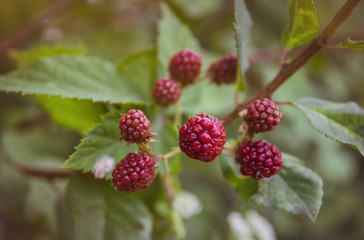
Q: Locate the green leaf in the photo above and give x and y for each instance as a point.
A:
(140, 70)
(209, 98)
(100, 212)
(242, 31)
(104, 139)
(302, 26)
(245, 187)
(72, 113)
(24, 58)
(81, 77)
(240, 82)
(343, 122)
(353, 44)
(296, 189)
(173, 36)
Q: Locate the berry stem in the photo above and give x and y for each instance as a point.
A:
(288, 69)
(283, 103)
(174, 152)
(144, 148)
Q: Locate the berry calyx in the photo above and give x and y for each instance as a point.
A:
(134, 172)
(134, 127)
(224, 70)
(262, 115)
(259, 159)
(185, 66)
(166, 92)
(202, 137)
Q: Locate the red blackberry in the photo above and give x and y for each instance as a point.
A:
(185, 66)
(202, 138)
(263, 115)
(224, 70)
(134, 127)
(259, 159)
(166, 92)
(134, 172)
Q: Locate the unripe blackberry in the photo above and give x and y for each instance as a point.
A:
(262, 115)
(224, 70)
(134, 172)
(134, 127)
(202, 138)
(185, 66)
(259, 159)
(166, 92)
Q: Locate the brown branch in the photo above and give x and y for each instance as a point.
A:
(288, 69)
(22, 36)
(48, 173)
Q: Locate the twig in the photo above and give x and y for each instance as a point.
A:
(22, 36)
(290, 68)
(48, 173)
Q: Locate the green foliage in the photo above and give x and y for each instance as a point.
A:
(353, 44)
(140, 70)
(24, 58)
(343, 122)
(81, 77)
(73, 113)
(245, 187)
(302, 26)
(173, 36)
(100, 212)
(242, 27)
(104, 139)
(295, 189)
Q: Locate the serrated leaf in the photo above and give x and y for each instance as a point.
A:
(343, 122)
(81, 77)
(245, 187)
(24, 58)
(296, 189)
(100, 212)
(173, 36)
(242, 30)
(72, 113)
(353, 44)
(140, 70)
(302, 26)
(104, 139)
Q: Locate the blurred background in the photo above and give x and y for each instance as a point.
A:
(114, 29)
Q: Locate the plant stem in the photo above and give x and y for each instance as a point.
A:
(288, 69)
(168, 155)
(48, 173)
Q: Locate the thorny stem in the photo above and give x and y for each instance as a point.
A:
(288, 69)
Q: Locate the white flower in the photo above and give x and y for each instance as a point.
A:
(239, 227)
(260, 226)
(187, 204)
(103, 165)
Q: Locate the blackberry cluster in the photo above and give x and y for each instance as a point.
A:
(262, 115)
(202, 138)
(134, 127)
(166, 92)
(224, 70)
(134, 172)
(259, 159)
(185, 66)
